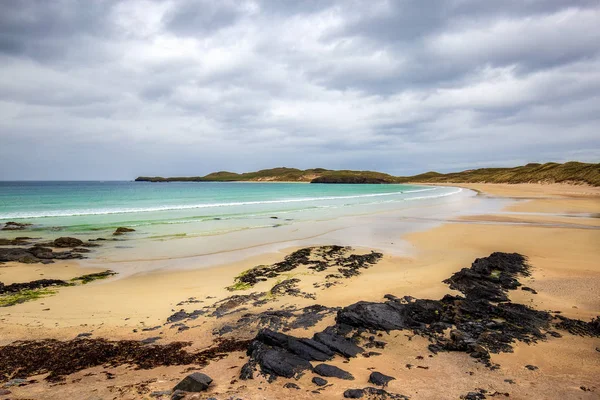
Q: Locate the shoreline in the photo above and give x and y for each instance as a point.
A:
(565, 275)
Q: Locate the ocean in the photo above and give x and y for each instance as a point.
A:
(177, 209)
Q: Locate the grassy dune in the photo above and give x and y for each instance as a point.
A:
(570, 172)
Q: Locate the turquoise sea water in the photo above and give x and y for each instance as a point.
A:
(188, 208)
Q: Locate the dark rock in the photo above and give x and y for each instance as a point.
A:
(151, 340)
(489, 278)
(161, 393)
(307, 349)
(14, 226)
(338, 344)
(354, 393)
(391, 315)
(83, 335)
(121, 230)
(178, 395)
(379, 379)
(183, 315)
(528, 289)
(291, 385)
(331, 371)
(531, 367)
(473, 396)
(67, 242)
(195, 382)
(4, 392)
(319, 381)
(153, 328)
(274, 362)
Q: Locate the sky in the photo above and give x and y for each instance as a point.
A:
(116, 89)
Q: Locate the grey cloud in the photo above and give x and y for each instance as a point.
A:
(115, 89)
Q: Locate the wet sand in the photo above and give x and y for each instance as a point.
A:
(552, 225)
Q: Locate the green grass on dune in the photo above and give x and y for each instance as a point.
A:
(570, 172)
(22, 296)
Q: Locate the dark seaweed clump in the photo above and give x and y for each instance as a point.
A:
(61, 358)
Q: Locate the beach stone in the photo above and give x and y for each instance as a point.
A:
(121, 230)
(319, 381)
(196, 382)
(379, 379)
(332, 371)
(531, 367)
(354, 393)
(67, 242)
(291, 385)
(4, 392)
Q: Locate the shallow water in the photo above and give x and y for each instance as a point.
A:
(195, 225)
(97, 208)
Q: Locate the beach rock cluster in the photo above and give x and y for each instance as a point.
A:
(478, 324)
(15, 226)
(42, 252)
(278, 354)
(36, 254)
(315, 258)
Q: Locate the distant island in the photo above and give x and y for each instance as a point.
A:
(570, 172)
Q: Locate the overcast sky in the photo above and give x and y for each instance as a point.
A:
(112, 90)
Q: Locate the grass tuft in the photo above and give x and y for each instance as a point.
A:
(22, 296)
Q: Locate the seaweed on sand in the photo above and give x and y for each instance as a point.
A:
(60, 358)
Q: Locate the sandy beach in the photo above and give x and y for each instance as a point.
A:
(555, 226)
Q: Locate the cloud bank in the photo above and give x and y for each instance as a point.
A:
(112, 90)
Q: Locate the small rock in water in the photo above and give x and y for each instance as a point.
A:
(319, 381)
(121, 230)
(196, 382)
(379, 379)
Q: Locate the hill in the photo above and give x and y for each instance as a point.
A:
(570, 172)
